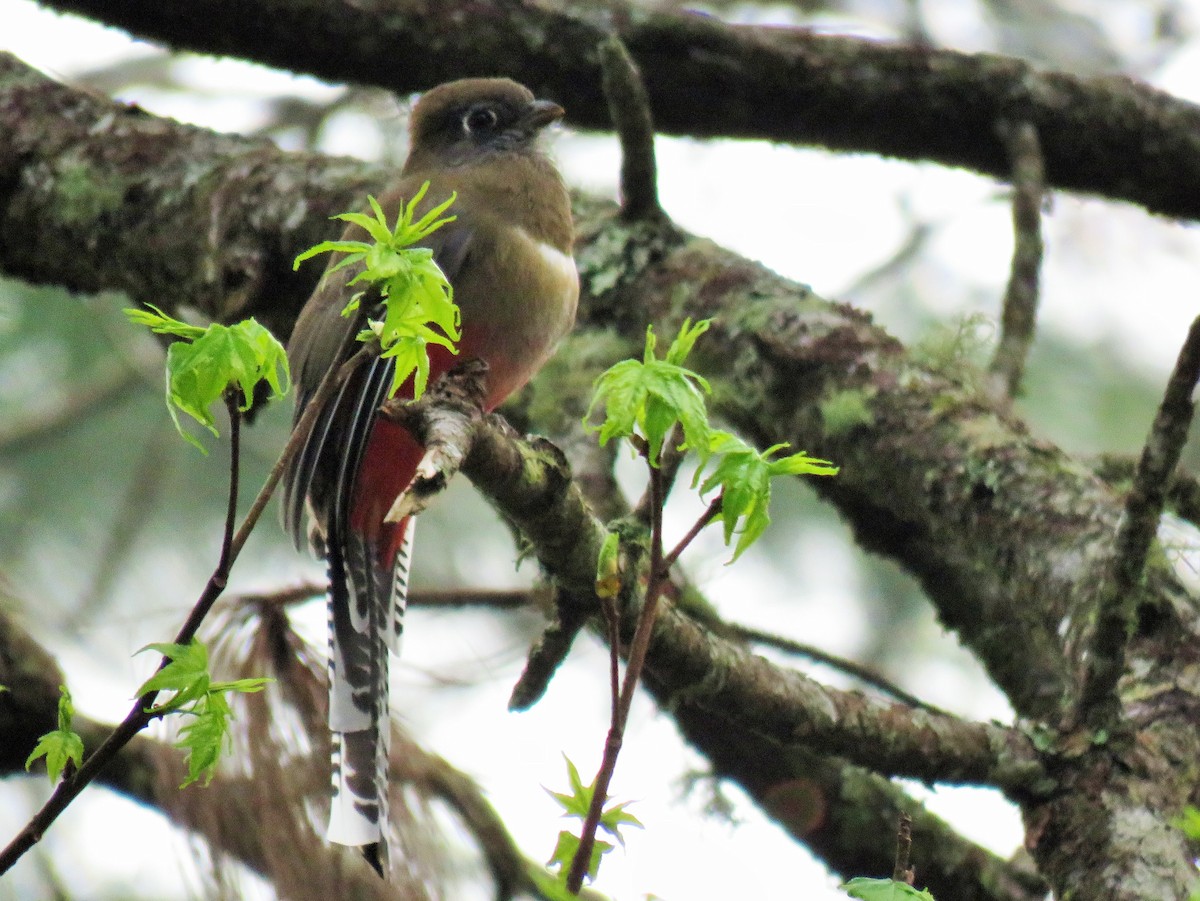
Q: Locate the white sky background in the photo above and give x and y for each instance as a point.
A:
(819, 218)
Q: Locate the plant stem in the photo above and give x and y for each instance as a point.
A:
(633, 671)
(705, 518)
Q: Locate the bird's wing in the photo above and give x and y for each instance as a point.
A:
(322, 473)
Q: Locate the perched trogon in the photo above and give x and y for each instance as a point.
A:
(508, 257)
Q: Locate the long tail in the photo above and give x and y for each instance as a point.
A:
(352, 468)
(366, 616)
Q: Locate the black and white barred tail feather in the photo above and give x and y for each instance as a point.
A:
(359, 691)
(365, 607)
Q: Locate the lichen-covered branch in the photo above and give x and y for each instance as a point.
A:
(531, 486)
(97, 195)
(629, 108)
(847, 815)
(705, 78)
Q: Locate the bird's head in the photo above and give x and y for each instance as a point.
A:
(461, 121)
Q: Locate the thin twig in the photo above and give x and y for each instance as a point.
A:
(1021, 297)
(638, 649)
(703, 520)
(903, 871)
(143, 711)
(862, 673)
(629, 108)
(232, 404)
(1099, 704)
(550, 650)
(332, 381)
(670, 458)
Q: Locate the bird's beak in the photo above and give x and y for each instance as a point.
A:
(540, 113)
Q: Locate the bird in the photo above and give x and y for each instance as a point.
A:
(508, 255)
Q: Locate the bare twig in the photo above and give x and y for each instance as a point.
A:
(670, 459)
(1099, 705)
(1183, 492)
(903, 871)
(638, 648)
(857, 670)
(548, 653)
(232, 405)
(714, 508)
(629, 107)
(1021, 297)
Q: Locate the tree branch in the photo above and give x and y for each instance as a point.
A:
(1119, 600)
(629, 108)
(531, 486)
(1021, 296)
(705, 78)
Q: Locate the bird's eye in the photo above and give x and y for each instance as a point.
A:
(479, 118)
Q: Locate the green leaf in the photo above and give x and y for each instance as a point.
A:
(205, 737)
(355, 249)
(244, 686)
(199, 373)
(1188, 822)
(207, 362)
(186, 674)
(608, 568)
(615, 817)
(744, 476)
(576, 803)
(418, 300)
(650, 397)
(564, 853)
(162, 324)
(681, 347)
(62, 746)
(197, 696)
(883, 890)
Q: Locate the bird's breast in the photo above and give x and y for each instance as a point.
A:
(517, 304)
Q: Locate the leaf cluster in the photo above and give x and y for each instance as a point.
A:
(419, 307)
(206, 363)
(645, 400)
(648, 397)
(576, 803)
(195, 694)
(743, 476)
(62, 746)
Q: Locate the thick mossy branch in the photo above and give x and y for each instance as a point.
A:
(530, 485)
(97, 195)
(847, 815)
(705, 78)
